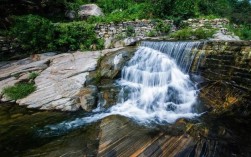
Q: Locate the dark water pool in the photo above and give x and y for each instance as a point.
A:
(19, 135)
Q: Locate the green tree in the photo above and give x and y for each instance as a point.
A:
(242, 12)
(216, 7)
(185, 9)
(34, 33)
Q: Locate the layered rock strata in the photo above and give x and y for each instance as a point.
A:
(60, 82)
(225, 67)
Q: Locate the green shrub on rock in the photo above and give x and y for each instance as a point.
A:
(152, 33)
(162, 27)
(243, 31)
(33, 75)
(188, 33)
(19, 90)
(182, 34)
(203, 33)
(130, 31)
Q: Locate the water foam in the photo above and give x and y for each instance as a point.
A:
(155, 86)
(154, 89)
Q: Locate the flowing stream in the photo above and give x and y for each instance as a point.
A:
(156, 88)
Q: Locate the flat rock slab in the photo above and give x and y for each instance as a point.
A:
(58, 85)
(10, 71)
(120, 137)
(61, 79)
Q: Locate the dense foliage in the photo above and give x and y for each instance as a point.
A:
(41, 25)
(76, 35)
(36, 34)
(33, 32)
(239, 11)
(188, 34)
(243, 31)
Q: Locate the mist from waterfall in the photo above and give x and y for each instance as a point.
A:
(155, 86)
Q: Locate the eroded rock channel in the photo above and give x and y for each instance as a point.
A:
(159, 99)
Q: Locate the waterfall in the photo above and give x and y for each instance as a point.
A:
(181, 52)
(155, 86)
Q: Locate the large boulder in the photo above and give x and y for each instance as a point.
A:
(108, 43)
(112, 63)
(131, 41)
(70, 14)
(89, 10)
(59, 84)
(88, 97)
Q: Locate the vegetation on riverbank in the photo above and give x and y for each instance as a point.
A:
(41, 26)
(35, 34)
(188, 33)
(237, 11)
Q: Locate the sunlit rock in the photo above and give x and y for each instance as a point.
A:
(89, 10)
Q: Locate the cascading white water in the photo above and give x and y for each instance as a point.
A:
(181, 52)
(155, 86)
(155, 90)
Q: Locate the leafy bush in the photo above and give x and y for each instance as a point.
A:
(174, 8)
(34, 33)
(76, 35)
(152, 33)
(182, 34)
(215, 7)
(203, 33)
(33, 75)
(19, 91)
(138, 11)
(209, 17)
(243, 31)
(160, 8)
(109, 6)
(135, 11)
(161, 27)
(120, 36)
(116, 16)
(130, 31)
(188, 33)
(74, 4)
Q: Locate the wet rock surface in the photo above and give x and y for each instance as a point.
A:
(109, 69)
(88, 97)
(225, 67)
(112, 64)
(225, 90)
